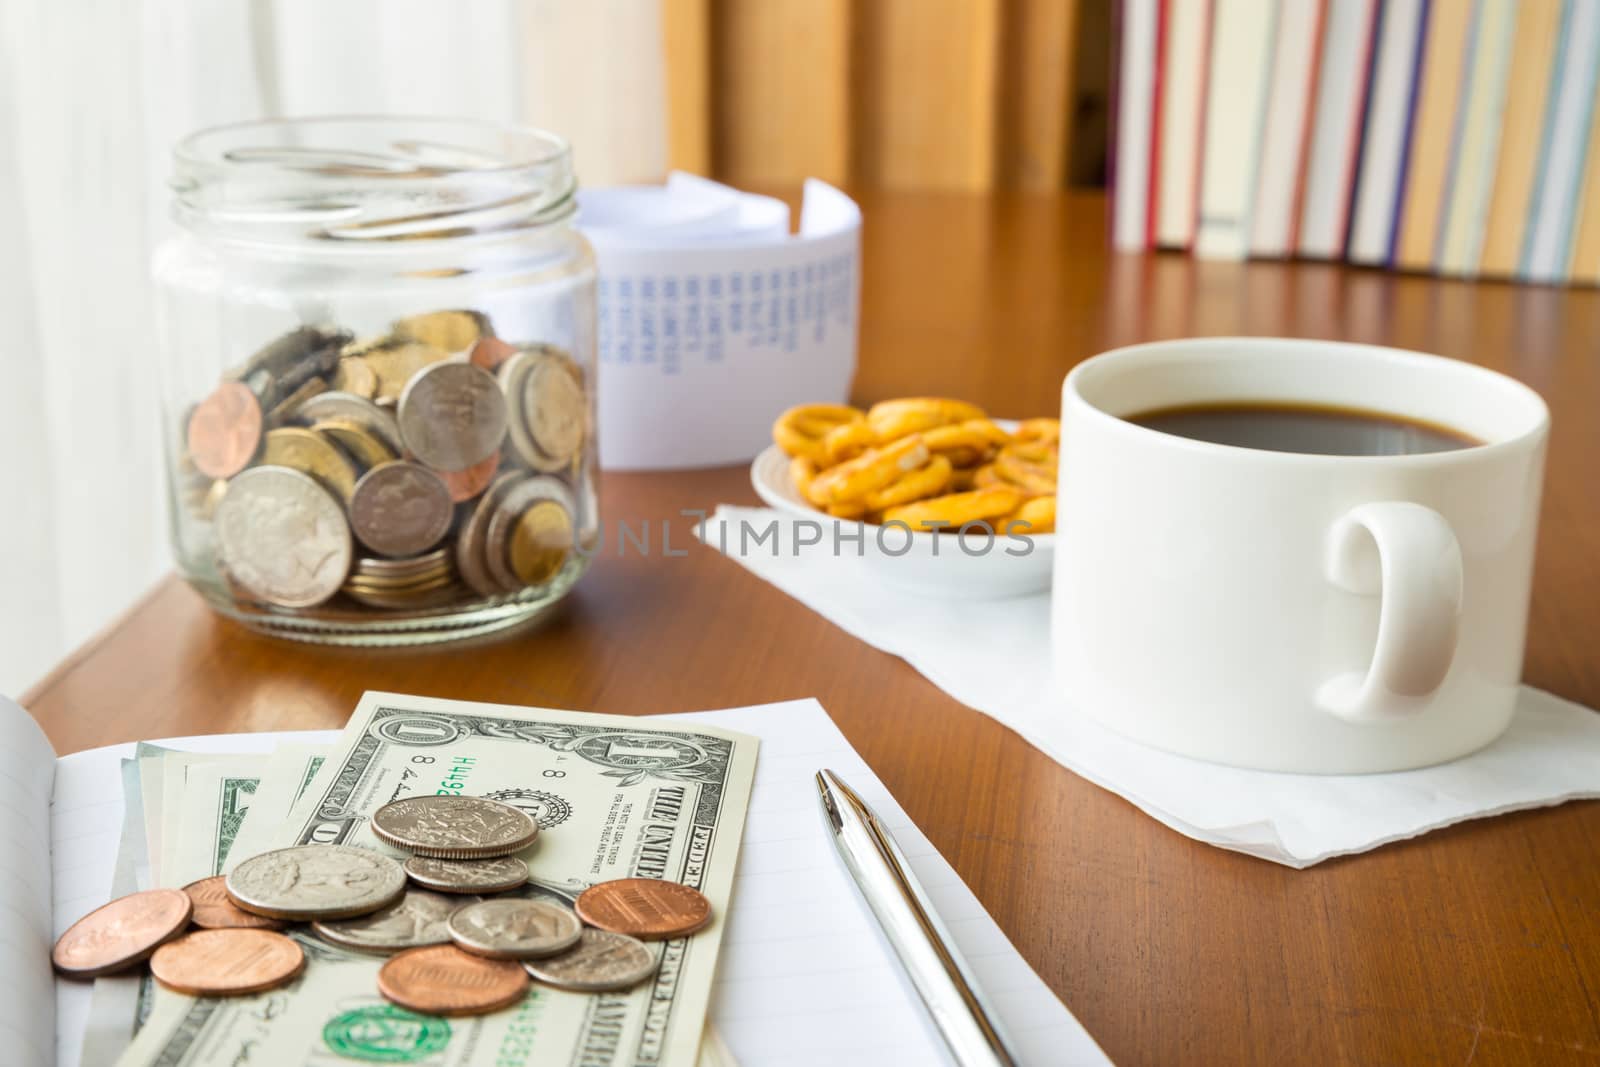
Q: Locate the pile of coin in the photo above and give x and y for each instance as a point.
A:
(454, 949)
(434, 464)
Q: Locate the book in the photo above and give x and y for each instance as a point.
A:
(1136, 54)
(1583, 261)
(1242, 33)
(1186, 32)
(1476, 138)
(805, 949)
(1522, 123)
(1438, 98)
(1547, 242)
(1285, 135)
(1386, 140)
(1342, 79)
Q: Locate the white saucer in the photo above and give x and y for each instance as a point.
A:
(973, 566)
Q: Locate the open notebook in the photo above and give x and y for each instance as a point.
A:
(805, 975)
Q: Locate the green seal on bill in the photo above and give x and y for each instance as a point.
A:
(384, 1033)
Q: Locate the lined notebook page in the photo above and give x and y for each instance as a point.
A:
(805, 976)
(27, 766)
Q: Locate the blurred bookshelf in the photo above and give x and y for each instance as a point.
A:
(1458, 137)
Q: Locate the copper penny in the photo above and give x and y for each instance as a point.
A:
(225, 430)
(214, 911)
(121, 933)
(647, 908)
(490, 352)
(443, 980)
(468, 483)
(224, 963)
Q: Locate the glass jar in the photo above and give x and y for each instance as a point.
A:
(378, 366)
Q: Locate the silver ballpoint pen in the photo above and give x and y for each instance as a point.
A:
(969, 1026)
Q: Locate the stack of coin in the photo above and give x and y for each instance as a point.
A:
(464, 931)
(388, 467)
(423, 581)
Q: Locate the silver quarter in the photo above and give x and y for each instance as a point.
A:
(454, 827)
(512, 928)
(401, 509)
(452, 415)
(600, 961)
(418, 918)
(308, 882)
(468, 876)
(283, 537)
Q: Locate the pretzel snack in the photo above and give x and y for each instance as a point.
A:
(800, 430)
(957, 509)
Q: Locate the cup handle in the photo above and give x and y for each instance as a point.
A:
(1408, 555)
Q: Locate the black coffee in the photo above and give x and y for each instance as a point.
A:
(1310, 428)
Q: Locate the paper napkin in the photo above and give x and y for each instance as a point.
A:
(1550, 755)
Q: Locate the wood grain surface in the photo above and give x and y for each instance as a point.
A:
(1477, 944)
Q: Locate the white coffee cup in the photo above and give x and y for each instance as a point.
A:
(1291, 611)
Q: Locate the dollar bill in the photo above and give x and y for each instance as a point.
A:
(614, 796)
(162, 773)
(216, 798)
(353, 1024)
(284, 779)
(151, 764)
(195, 828)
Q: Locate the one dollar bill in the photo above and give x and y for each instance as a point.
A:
(615, 797)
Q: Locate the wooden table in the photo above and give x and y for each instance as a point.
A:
(1477, 944)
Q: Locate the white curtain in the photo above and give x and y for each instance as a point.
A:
(92, 95)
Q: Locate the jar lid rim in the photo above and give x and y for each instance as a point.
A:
(360, 178)
(201, 148)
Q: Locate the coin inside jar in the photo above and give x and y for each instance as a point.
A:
(376, 421)
(418, 918)
(555, 408)
(355, 376)
(308, 882)
(283, 537)
(471, 542)
(443, 980)
(509, 509)
(452, 331)
(289, 406)
(310, 453)
(490, 352)
(364, 446)
(394, 363)
(225, 430)
(454, 827)
(468, 876)
(224, 963)
(600, 962)
(541, 540)
(453, 415)
(514, 928)
(214, 911)
(117, 935)
(650, 909)
(400, 509)
(468, 483)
